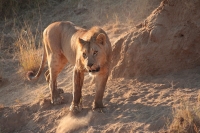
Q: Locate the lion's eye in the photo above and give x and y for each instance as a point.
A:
(84, 55)
(95, 53)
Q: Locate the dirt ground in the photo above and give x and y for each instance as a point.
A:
(135, 103)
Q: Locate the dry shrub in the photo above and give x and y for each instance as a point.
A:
(29, 55)
(186, 119)
(10, 8)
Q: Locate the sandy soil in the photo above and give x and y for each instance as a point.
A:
(137, 104)
(132, 105)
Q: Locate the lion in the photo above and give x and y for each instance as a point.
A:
(87, 50)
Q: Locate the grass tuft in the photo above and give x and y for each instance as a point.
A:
(26, 43)
(186, 119)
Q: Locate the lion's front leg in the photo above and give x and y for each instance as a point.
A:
(101, 80)
(78, 77)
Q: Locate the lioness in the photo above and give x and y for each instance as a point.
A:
(88, 50)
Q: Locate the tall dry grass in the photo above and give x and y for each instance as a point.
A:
(27, 44)
(26, 40)
(186, 118)
(12, 8)
(19, 17)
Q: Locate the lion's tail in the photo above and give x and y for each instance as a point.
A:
(30, 74)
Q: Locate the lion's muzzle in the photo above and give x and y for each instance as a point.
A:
(94, 70)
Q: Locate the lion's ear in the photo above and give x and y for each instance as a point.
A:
(82, 42)
(101, 38)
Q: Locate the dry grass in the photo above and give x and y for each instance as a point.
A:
(26, 43)
(113, 12)
(27, 35)
(186, 118)
(11, 8)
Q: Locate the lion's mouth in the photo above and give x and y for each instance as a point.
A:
(96, 70)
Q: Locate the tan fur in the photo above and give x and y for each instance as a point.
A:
(88, 50)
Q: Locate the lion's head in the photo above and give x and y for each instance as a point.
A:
(93, 54)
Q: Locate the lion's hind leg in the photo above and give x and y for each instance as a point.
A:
(56, 64)
(47, 77)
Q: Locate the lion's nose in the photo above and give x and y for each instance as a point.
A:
(90, 64)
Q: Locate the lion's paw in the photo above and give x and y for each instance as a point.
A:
(100, 110)
(58, 100)
(75, 108)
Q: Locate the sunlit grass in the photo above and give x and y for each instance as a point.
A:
(26, 43)
(186, 118)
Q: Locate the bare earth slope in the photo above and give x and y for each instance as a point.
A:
(167, 41)
(155, 69)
